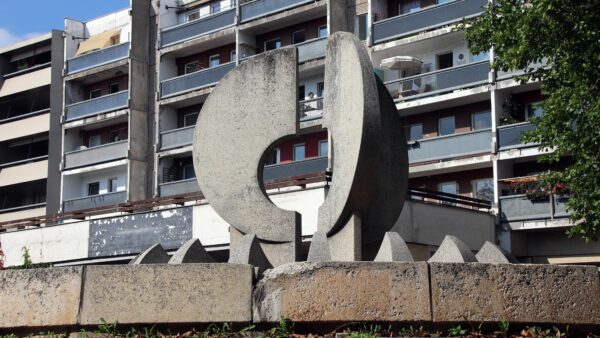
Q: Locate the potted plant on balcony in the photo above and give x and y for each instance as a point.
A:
(510, 111)
(532, 188)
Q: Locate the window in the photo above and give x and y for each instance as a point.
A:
(191, 67)
(214, 61)
(272, 44)
(113, 184)
(188, 172)
(95, 93)
(233, 56)
(94, 141)
(534, 110)
(322, 31)
(215, 7)
(301, 93)
(446, 126)
(444, 60)
(323, 148)
(114, 136)
(483, 56)
(274, 157)
(483, 189)
(481, 120)
(113, 88)
(298, 37)
(299, 152)
(448, 188)
(414, 132)
(93, 188)
(320, 89)
(410, 6)
(191, 16)
(190, 119)
(360, 26)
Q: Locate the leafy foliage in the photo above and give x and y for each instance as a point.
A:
(557, 43)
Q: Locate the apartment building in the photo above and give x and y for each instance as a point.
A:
(135, 81)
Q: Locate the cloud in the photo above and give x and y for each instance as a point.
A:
(8, 38)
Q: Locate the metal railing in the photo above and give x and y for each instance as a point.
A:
(426, 19)
(89, 202)
(23, 161)
(521, 208)
(439, 197)
(181, 187)
(98, 105)
(260, 8)
(193, 81)
(312, 49)
(98, 58)
(202, 26)
(177, 137)
(100, 154)
(293, 169)
(25, 115)
(509, 136)
(311, 109)
(450, 146)
(23, 207)
(439, 81)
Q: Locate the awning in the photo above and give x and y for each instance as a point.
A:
(25, 82)
(519, 179)
(97, 41)
(401, 62)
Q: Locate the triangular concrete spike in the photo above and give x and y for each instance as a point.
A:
(491, 253)
(319, 248)
(191, 252)
(453, 250)
(248, 251)
(393, 249)
(153, 255)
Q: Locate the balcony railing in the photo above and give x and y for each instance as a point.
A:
(176, 138)
(259, 8)
(193, 81)
(98, 58)
(509, 137)
(426, 19)
(23, 207)
(98, 105)
(292, 169)
(450, 146)
(24, 115)
(179, 187)
(311, 109)
(520, 208)
(196, 28)
(23, 161)
(312, 49)
(89, 202)
(100, 154)
(439, 81)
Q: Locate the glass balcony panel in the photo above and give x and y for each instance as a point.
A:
(445, 147)
(89, 202)
(104, 153)
(292, 169)
(98, 58)
(312, 49)
(179, 187)
(259, 8)
(197, 80)
(509, 136)
(177, 138)
(99, 105)
(199, 27)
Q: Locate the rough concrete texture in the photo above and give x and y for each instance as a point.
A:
(491, 253)
(319, 248)
(183, 293)
(248, 251)
(153, 255)
(453, 250)
(343, 291)
(370, 165)
(345, 245)
(40, 297)
(229, 170)
(191, 252)
(517, 293)
(393, 249)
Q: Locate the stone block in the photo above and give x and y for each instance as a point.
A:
(518, 293)
(40, 297)
(183, 293)
(453, 250)
(343, 292)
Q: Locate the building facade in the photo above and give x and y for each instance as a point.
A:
(133, 82)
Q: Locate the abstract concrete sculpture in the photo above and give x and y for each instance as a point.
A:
(153, 255)
(191, 252)
(453, 250)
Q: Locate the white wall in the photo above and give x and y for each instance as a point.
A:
(310, 84)
(167, 17)
(75, 185)
(107, 22)
(73, 28)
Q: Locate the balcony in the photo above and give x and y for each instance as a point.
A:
(311, 109)
(509, 137)
(100, 154)
(426, 19)
(179, 187)
(312, 49)
(196, 28)
(439, 81)
(98, 58)
(176, 138)
(193, 81)
(260, 8)
(95, 201)
(96, 106)
(450, 146)
(520, 208)
(292, 169)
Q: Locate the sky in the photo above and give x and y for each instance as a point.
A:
(23, 19)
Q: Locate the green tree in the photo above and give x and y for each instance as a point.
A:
(564, 36)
